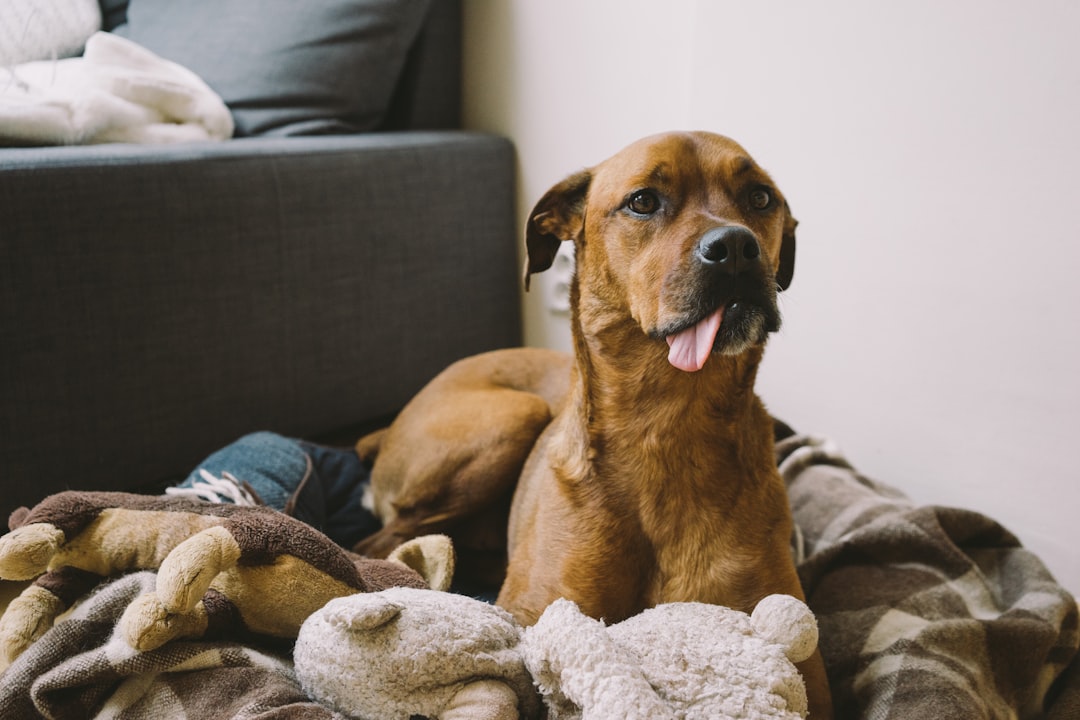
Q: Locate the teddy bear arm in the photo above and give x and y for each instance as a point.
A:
(238, 603)
(482, 700)
(268, 570)
(186, 572)
(788, 622)
(268, 600)
(28, 617)
(33, 612)
(147, 624)
(27, 551)
(175, 608)
(625, 694)
(575, 660)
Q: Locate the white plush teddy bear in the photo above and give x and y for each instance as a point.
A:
(688, 661)
(400, 653)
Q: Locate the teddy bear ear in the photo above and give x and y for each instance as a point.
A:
(786, 621)
(362, 612)
(432, 556)
(18, 518)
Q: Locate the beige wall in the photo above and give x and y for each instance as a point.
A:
(931, 152)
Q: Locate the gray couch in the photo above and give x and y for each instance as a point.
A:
(156, 303)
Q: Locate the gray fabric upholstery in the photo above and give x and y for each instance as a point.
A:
(160, 305)
(285, 67)
(157, 303)
(428, 94)
(113, 13)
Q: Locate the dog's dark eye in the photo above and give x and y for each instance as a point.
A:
(643, 202)
(760, 198)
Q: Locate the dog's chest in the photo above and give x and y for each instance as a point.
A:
(690, 571)
(702, 508)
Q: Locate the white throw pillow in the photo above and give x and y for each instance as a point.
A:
(45, 29)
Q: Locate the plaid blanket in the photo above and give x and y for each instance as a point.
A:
(80, 670)
(925, 612)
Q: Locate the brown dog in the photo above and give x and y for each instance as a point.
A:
(642, 472)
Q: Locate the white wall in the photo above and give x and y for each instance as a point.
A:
(931, 151)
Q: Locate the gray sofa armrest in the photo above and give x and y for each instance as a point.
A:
(156, 304)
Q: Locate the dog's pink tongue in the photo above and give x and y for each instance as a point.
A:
(691, 347)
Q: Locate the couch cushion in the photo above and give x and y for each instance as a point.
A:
(285, 67)
(113, 14)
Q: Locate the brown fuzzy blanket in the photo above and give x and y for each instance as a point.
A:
(925, 613)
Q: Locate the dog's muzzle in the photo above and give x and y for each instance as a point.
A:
(734, 299)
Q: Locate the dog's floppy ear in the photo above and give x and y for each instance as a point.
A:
(558, 216)
(786, 271)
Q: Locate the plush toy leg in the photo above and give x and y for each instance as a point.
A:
(185, 575)
(175, 609)
(27, 618)
(482, 700)
(26, 552)
(34, 611)
(147, 623)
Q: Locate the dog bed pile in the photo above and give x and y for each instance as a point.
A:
(924, 612)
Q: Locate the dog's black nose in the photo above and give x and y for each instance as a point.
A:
(732, 249)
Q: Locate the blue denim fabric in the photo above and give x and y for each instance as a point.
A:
(342, 479)
(319, 485)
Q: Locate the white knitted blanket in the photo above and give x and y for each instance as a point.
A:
(118, 91)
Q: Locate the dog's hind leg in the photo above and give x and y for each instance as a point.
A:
(455, 473)
(451, 465)
(450, 461)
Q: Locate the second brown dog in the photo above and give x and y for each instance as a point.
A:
(640, 471)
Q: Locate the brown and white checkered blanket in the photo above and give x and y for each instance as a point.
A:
(927, 613)
(79, 670)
